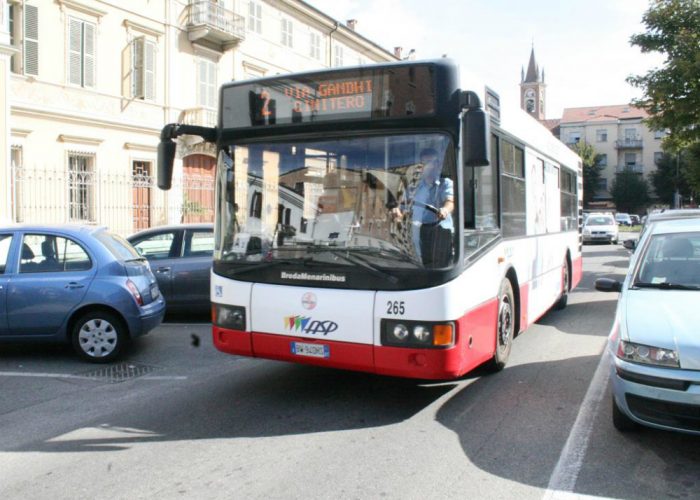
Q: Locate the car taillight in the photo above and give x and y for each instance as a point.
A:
(135, 292)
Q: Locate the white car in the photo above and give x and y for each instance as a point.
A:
(600, 227)
(655, 342)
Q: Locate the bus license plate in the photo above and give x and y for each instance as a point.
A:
(312, 350)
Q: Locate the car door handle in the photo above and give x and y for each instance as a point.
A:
(72, 285)
(163, 270)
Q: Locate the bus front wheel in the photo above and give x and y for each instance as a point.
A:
(565, 279)
(505, 326)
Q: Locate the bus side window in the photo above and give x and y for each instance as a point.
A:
(481, 202)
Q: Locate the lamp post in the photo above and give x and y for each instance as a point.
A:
(677, 194)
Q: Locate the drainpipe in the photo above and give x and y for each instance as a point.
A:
(330, 44)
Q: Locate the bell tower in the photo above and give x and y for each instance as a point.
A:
(532, 89)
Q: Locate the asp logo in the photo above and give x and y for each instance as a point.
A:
(309, 325)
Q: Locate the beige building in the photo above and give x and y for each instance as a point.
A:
(6, 52)
(619, 134)
(93, 82)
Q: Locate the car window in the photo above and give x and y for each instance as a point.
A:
(47, 253)
(5, 241)
(157, 246)
(671, 258)
(120, 248)
(199, 243)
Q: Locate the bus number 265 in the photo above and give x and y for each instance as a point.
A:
(395, 307)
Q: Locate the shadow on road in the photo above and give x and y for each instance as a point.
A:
(271, 399)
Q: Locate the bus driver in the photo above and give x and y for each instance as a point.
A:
(432, 200)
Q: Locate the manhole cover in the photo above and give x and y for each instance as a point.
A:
(119, 372)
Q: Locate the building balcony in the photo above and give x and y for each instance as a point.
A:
(209, 21)
(634, 167)
(201, 116)
(629, 144)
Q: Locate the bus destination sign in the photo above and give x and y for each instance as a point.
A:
(360, 94)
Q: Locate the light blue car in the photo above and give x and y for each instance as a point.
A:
(78, 284)
(655, 339)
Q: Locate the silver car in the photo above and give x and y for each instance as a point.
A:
(655, 341)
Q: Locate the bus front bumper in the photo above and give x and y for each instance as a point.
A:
(429, 364)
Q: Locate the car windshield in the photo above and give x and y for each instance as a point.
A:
(599, 220)
(670, 261)
(339, 202)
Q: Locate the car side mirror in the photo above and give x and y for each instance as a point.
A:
(630, 244)
(608, 285)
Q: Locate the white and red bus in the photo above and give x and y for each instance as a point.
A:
(321, 254)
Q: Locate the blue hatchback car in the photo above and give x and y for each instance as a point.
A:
(78, 284)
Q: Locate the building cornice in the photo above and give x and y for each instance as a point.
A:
(91, 121)
(82, 8)
(77, 139)
(149, 148)
(132, 26)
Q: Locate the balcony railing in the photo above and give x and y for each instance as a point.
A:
(628, 144)
(209, 21)
(202, 116)
(634, 167)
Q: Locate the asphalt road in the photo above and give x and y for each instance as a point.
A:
(179, 421)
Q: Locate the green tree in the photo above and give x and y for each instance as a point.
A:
(591, 169)
(630, 192)
(672, 92)
(690, 158)
(668, 176)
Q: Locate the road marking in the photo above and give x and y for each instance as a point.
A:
(84, 377)
(563, 480)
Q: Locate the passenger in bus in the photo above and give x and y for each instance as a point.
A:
(431, 202)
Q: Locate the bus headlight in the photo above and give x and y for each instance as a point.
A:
(400, 332)
(421, 333)
(230, 317)
(424, 334)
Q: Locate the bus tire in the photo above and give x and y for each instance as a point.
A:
(505, 326)
(565, 280)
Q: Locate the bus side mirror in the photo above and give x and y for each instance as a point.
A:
(475, 138)
(166, 157)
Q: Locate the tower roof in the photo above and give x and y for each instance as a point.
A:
(533, 71)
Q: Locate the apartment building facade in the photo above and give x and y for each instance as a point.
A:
(619, 134)
(92, 82)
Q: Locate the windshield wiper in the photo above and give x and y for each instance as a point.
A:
(383, 252)
(665, 286)
(267, 264)
(347, 253)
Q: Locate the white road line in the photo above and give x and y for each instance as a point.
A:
(84, 377)
(561, 484)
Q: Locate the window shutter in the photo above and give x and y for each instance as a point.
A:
(137, 80)
(75, 52)
(212, 85)
(89, 55)
(150, 70)
(202, 87)
(31, 40)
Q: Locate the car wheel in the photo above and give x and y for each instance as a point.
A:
(564, 297)
(620, 420)
(99, 336)
(505, 326)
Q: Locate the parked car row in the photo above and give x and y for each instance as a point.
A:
(96, 290)
(654, 341)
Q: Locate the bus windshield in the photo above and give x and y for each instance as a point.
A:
(371, 203)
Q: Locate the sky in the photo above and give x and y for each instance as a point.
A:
(583, 46)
